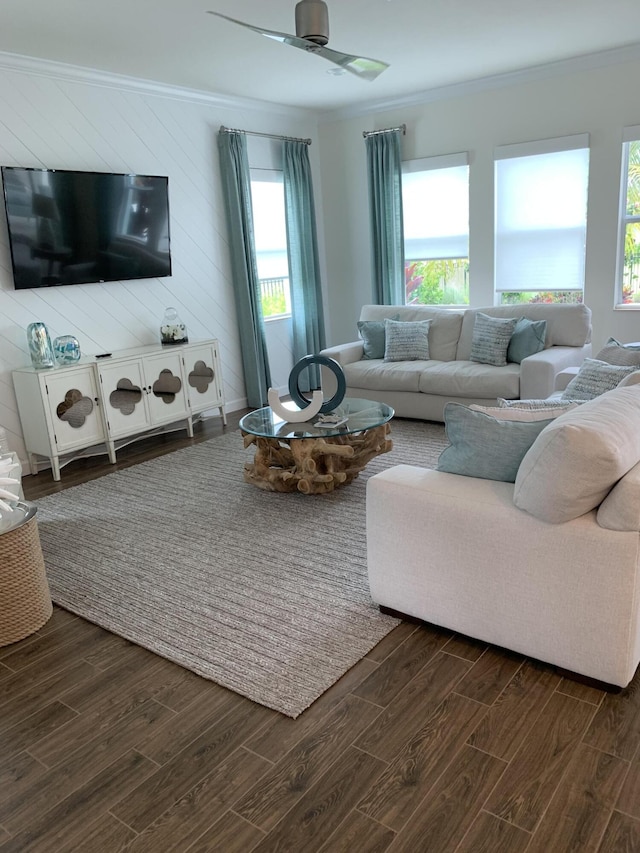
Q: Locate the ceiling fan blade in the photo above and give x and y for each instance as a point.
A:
(361, 66)
(287, 38)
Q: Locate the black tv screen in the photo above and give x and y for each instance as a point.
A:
(77, 227)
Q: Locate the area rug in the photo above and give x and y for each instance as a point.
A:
(261, 592)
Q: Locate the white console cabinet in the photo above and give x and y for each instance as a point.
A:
(109, 400)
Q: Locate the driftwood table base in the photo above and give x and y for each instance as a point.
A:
(313, 466)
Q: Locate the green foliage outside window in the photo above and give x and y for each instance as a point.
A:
(631, 271)
(437, 282)
(273, 305)
(569, 297)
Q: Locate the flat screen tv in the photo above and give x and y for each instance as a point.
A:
(77, 227)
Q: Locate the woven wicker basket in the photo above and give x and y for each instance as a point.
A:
(25, 602)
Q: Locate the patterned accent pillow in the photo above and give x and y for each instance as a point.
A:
(484, 446)
(511, 413)
(372, 334)
(406, 341)
(527, 339)
(614, 352)
(490, 341)
(536, 404)
(595, 378)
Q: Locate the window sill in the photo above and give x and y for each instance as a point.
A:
(274, 317)
(627, 306)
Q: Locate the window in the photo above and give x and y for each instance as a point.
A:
(628, 277)
(270, 235)
(541, 220)
(435, 201)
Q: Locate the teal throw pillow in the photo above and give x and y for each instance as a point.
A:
(406, 341)
(527, 339)
(373, 338)
(490, 340)
(595, 378)
(484, 446)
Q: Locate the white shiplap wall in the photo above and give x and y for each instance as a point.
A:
(58, 120)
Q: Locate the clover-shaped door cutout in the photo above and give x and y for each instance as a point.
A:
(201, 377)
(125, 397)
(167, 386)
(75, 408)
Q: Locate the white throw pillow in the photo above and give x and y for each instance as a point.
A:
(577, 459)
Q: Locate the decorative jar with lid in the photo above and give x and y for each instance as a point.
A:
(173, 330)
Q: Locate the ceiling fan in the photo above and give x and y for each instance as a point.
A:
(312, 35)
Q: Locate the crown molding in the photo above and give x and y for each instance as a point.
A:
(111, 80)
(614, 56)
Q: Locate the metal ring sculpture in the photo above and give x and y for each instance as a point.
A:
(336, 369)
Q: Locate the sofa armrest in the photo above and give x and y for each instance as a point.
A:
(345, 353)
(538, 372)
(564, 378)
(476, 564)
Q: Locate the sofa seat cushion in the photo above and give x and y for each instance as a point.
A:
(379, 375)
(578, 458)
(470, 379)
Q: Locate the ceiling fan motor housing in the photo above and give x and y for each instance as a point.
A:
(312, 21)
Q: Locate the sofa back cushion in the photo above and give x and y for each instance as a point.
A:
(576, 460)
(443, 333)
(567, 325)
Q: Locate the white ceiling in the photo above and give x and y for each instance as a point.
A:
(428, 43)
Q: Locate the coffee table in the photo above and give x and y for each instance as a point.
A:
(302, 457)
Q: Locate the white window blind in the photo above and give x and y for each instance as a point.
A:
(435, 200)
(270, 231)
(541, 214)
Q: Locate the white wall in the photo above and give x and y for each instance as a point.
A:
(600, 101)
(49, 120)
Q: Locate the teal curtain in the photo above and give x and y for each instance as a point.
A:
(302, 248)
(236, 187)
(384, 172)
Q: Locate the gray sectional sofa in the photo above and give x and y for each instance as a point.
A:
(421, 388)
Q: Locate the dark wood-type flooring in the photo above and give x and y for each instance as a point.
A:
(433, 742)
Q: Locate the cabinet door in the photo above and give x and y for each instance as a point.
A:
(165, 388)
(72, 398)
(125, 397)
(203, 377)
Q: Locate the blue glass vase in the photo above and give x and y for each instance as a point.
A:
(40, 348)
(66, 349)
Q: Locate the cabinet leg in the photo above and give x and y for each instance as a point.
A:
(223, 415)
(55, 467)
(111, 450)
(33, 464)
(190, 427)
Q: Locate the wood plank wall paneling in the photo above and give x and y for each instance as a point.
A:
(56, 122)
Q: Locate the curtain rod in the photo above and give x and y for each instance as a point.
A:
(224, 129)
(403, 128)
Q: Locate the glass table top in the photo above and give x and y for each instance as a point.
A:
(360, 415)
